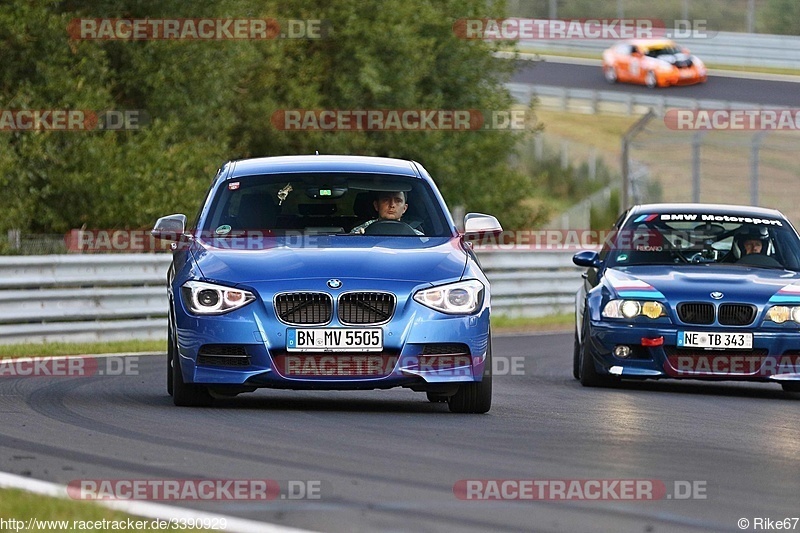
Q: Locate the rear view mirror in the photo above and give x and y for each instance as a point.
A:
(478, 224)
(169, 228)
(587, 258)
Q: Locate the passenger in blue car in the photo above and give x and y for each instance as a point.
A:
(391, 206)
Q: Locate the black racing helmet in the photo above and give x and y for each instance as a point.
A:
(750, 233)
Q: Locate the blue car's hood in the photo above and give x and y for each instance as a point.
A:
(417, 259)
(697, 282)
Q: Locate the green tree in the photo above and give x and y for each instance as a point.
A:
(212, 101)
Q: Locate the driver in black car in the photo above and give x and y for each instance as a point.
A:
(390, 205)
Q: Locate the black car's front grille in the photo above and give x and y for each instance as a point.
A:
(366, 307)
(304, 308)
(736, 314)
(696, 313)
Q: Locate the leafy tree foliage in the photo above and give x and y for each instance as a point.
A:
(209, 101)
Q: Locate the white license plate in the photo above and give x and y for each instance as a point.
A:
(334, 339)
(706, 339)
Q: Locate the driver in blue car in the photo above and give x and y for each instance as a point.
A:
(390, 205)
(751, 241)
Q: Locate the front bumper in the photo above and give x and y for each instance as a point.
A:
(775, 356)
(406, 359)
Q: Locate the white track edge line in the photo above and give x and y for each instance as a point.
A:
(147, 509)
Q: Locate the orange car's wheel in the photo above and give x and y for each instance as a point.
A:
(650, 79)
(610, 73)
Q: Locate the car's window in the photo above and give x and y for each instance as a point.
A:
(320, 203)
(695, 239)
(664, 51)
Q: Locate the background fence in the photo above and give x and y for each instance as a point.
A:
(118, 297)
(715, 48)
(592, 101)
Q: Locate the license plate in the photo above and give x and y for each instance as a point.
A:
(334, 340)
(705, 339)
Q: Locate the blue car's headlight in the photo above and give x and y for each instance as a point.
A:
(781, 313)
(210, 299)
(633, 308)
(461, 298)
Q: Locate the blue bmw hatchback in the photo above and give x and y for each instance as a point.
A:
(327, 272)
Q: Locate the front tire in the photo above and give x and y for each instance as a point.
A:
(475, 397)
(187, 394)
(170, 359)
(650, 80)
(610, 74)
(576, 356)
(588, 375)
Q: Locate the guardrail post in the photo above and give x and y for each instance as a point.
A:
(626, 165)
(754, 149)
(14, 239)
(697, 139)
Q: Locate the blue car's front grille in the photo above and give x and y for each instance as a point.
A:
(696, 313)
(736, 314)
(304, 308)
(366, 307)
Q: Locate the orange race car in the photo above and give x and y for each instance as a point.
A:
(655, 63)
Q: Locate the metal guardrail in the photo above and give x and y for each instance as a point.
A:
(85, 298)
(82, 298)
(721, 48)
(594, 101)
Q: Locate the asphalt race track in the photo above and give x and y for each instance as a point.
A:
(389, 460)
(761, 91)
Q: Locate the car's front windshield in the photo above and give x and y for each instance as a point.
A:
(702, 239)
(666, 50)
(325, 203)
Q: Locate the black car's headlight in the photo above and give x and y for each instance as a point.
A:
(634, 308)
(782, 313)
(461, 298)
(210, 299)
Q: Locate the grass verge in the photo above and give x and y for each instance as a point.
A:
(558, 322)
(60, 514)
(80, 348)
